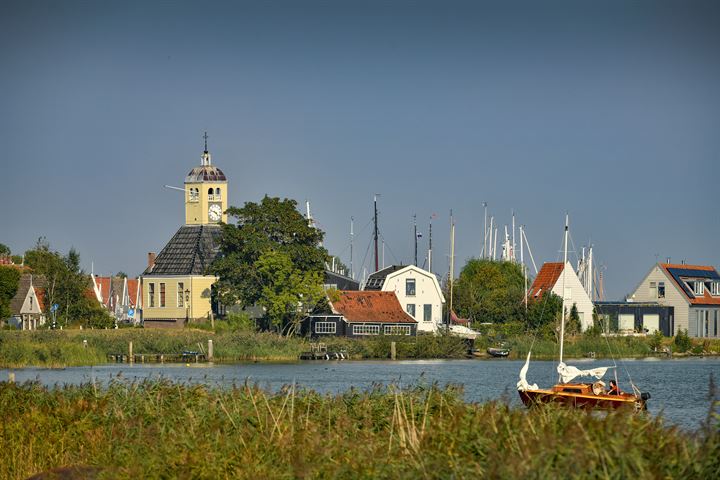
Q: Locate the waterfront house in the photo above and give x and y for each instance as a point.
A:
(550, 279)
(417, 290)
(629, 317)
(360, 314)
(176, 286)
(28, 307)
(692, 290)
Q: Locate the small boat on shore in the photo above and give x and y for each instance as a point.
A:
(498, 352)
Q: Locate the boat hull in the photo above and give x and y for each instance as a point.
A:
(582, 401)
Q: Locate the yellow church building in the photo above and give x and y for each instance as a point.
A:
(176, 285)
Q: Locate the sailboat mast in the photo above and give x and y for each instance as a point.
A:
(562, 318)
(430, 247)
(415, 235)
(452, 266)
(352, 235)
(524, 268)
(375, 233)
(485, 233)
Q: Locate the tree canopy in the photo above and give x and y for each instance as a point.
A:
(270, 257)
(4, 250)
(9, 280)
(66, 285)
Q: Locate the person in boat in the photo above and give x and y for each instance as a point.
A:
(614, 389)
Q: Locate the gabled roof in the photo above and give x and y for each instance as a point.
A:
(26, 281)
(133, 285)
(377, 279)
(680, 272)
(189, 252)
(343, 282)
(546, 278)
(376, 307)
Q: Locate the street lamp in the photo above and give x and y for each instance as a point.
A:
(187, 305)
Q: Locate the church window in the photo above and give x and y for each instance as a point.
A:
(217, 194)
(194, 194)
(211, 194)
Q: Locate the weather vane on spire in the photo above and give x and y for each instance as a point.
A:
(205, 137)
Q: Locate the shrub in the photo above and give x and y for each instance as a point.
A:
(682, 341)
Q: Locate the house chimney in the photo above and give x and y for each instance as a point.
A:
(682, 261)
(667, 260)
(151, 260)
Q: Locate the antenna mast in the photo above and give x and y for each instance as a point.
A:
(562, 319)
(430, 247)
(352, 272)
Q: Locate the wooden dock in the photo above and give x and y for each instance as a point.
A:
(184, 357)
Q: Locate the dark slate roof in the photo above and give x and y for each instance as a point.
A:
(189, 252)
(205, 173)
(342, 282)
(377, 279)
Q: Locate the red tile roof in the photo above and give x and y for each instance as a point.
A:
(103, 284)
(707, 298)
(546, 278)
(40, 295)
(370, 306)
(133, 285)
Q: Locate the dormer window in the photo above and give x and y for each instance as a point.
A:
(715, 288)
(697, 286)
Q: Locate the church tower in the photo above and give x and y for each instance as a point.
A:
(205, 193)
(177, 283)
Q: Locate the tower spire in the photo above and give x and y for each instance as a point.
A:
(206, 154)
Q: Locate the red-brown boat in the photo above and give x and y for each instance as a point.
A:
(573, 394)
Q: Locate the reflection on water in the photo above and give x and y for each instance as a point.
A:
(679, 388)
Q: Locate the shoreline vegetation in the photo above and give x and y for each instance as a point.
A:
(138, 431)
(65, 348)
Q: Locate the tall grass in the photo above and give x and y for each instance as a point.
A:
(158, 429)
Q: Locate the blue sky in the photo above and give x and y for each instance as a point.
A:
(610, 111)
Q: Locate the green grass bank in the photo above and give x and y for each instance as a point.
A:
(55, 348)
(163, 430)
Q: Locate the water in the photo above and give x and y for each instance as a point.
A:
(679, 387)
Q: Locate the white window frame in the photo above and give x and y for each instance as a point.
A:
(408, 282)
(180, 294)
(715, 288)
(151, 294)
(365, 329)
(653, 290)
(661, 285)
(397, 330)
(409, 307)
(428, 317)
(324, 327)
(697, 287)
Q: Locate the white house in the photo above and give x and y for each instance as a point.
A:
(417, 290)
(550, 278)
(28, 304)
(693, 291)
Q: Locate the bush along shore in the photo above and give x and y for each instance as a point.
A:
(158, 429)
(55, 348)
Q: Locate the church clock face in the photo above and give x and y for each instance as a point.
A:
(215, 212)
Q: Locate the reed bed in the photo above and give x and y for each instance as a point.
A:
(55, 348)
(159, 429)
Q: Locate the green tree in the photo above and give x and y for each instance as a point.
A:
(66, 286)
(544, 312)
(288, 293)
(490, 291)
(9, 280)
(4, 250)
(273, 225)
(572, 321)
(682, 341)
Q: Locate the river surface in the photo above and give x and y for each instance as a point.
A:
(679, 388)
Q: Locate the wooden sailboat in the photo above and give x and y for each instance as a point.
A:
(591, 395)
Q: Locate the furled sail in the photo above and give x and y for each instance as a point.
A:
(568, 372)
(523, 385)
